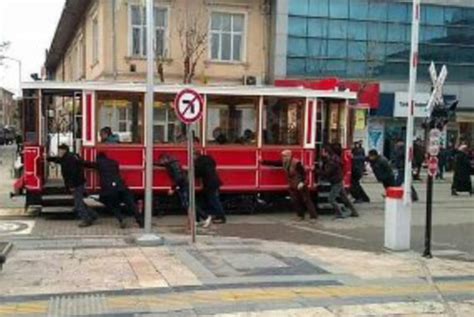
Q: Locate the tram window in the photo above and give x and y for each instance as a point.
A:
(167, 129)
(123, 116)
(283, 121)
(232, 120)
(30, 117)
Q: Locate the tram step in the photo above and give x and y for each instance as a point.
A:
(56, 210)
(57, 200)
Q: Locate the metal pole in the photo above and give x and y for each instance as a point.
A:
(429, 212)
(415, 30)
(192, 201)
(20, 92)
(149, 117)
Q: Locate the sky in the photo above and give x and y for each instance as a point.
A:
(29, 25)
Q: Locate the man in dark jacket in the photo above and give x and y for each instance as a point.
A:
(72, 170)
(205, 169)
(381, 168)
(358, 167)
(113, 191)
(418, 158)
(181, 186)
(331, 171)
(462, 172)
(297, 184)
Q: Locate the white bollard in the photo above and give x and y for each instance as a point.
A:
(397, 221)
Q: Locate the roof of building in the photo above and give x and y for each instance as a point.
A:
(69, 21)
(58, 87)
(4, 90)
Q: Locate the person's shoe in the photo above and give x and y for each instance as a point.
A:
(358, 201)
(454, 193)
(85, 223)
(313, 219)
(355, 214)
(220, 220)
(140, 223)
(339, 216)
(299, 219)
(122, 224)
(206, 223)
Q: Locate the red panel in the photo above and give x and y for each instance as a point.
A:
(242, 178)
(88, 155)
(275, 154)
(125, 155)
(347, 167)
(273, 177)
(233, 157)
(309, 123)
(89, 117)
(133, 178)
(161, 178)
(33, 169)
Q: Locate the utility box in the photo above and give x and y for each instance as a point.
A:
(397, 221)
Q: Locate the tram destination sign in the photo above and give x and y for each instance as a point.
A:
(189, 106)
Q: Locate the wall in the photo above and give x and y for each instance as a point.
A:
(255, 44)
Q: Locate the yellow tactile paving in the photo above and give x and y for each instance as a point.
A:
(187, 300)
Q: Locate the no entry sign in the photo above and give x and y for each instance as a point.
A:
(189, 106)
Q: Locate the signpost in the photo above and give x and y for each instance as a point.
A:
(434, 144)
(189, 106)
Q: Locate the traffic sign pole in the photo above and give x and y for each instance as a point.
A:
(429, 213)
(192, 193)
(189, 106)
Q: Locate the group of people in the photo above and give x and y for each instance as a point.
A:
(384, 171)
(114, 193)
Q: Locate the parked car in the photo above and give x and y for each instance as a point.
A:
(7, 136)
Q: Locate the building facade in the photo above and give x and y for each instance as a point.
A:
(106, 40)
(7, 108)
(369, 41)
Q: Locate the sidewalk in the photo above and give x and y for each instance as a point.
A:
(224, 277)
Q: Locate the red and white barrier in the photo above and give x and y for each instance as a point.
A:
(397, 220)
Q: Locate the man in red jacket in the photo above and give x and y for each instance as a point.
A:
(298, 186)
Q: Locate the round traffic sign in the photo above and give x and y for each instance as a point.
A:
(188, 106)
(433, 166)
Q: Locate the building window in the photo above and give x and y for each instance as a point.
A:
(227, 36)
(283, 121)
(232, 120)
(95, 40)
(138, 30)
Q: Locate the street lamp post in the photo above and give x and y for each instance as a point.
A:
(148, 238)
(20, 93)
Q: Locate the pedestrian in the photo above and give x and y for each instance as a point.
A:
(358, 168)
(400, 166)
(180, 185)
(382, 170)
(462, 172)
(442, 159)
(332, 172)
(205, 169)
(113, 190)
(297, 183)
(418, 158)
(72, 170)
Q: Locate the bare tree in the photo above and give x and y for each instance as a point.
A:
(193, 39)
(3, 48)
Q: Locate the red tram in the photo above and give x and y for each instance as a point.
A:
(241, 126)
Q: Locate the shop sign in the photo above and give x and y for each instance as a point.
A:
(400, 108)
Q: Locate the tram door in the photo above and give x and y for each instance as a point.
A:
(331, 124)
(64, 126)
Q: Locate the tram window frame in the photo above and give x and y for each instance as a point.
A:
(299, 123)
(239, 102)
(137, 132)
(30, 112)
(168, 101)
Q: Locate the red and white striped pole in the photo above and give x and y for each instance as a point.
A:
(415, 32)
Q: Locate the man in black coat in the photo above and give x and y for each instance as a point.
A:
(462, 172)
(400, 166)
(332, 172)
(205, 169)
(113, 191)
(72, 170)
(358, 167)
(381, 168)
(181, 186)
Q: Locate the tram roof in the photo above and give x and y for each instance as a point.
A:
(62, 87)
